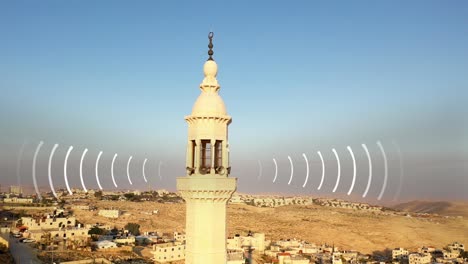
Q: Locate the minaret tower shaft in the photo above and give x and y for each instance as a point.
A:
(206, 188)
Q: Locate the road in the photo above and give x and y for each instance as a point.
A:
(23, 253)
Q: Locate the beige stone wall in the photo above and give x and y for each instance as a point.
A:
(168, 252)
(47, 223)
(109, 213)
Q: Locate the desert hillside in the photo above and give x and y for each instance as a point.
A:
(348, 229)
(441, 208)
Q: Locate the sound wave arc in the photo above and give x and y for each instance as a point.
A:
(307, 170)
(354, 170)
(51, 184)
(97, 170)
(81, 170)
(128, 170)
(339, 170)
(384, 185)
(36, 188)
(112, 170)
(323, 170)
(369, 179)
(143, 170)
(292, 170)
(276, 169)
(65, 170)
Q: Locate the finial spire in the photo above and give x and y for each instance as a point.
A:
(210, 45)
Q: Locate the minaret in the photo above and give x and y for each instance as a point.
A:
(206, 188)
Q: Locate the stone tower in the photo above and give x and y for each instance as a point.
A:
(207, 186)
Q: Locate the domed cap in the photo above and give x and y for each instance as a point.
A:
(209, 103)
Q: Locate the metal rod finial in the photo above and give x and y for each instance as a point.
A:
(210, 45)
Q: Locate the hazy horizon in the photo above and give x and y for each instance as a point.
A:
(119, 78)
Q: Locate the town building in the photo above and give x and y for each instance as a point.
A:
(253, 240)
(207, 187)
(125, 240)
(288, 258)
(105, 244)
(455, 246)
(81, 207)
(47, 222)
(419, 258)
(16, 190)
(167, 252)
(18, 200)
(451, 254)
(400, 254)
(181, 237)
(235, 257)
(63, 233)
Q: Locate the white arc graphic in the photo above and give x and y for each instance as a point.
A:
(369, 180)
(323, 170)
(292, 170)
(159, 170)
(307, 170)
(50, 170)
(354, 170)
(112, 170)
(81, 170)
(65, 170)
(128, 170)
(36, 188)
(339, 170)
(276, 169)
(260, 170)
(97, 168)
(385, 172)
(400, 184)
(143, 170)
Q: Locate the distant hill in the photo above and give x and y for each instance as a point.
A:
(361, 230)
(441, 208)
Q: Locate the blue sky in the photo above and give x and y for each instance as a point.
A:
(298, 77)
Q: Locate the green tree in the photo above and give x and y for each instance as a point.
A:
(98, 195)
(133, 228)
(129, 196)
(96, 231)
(114, 231)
